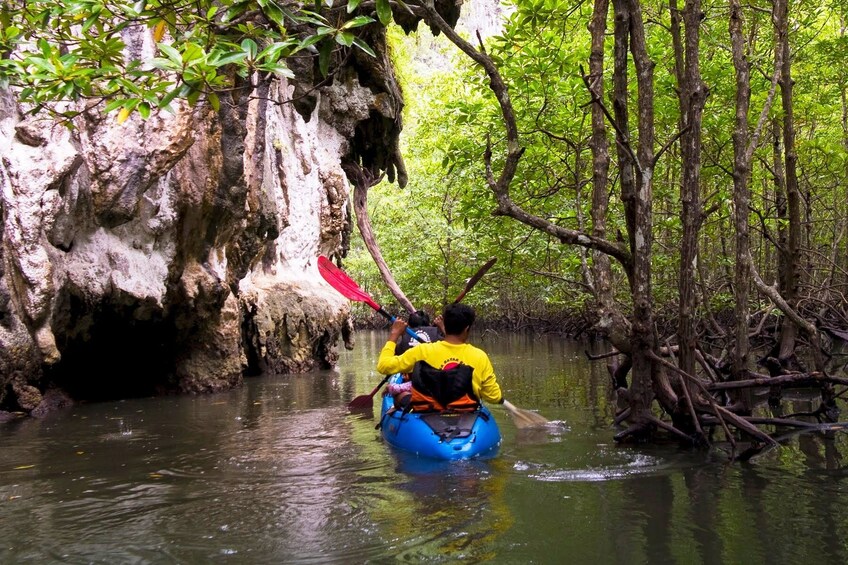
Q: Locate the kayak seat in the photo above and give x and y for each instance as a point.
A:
(450, 425)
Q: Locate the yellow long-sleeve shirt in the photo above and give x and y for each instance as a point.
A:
(444, 355)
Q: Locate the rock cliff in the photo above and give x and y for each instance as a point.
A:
(178, 253)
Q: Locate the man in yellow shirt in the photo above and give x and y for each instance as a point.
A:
(447, 355)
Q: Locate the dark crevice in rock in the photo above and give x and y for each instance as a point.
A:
(120, 349)
(249, 343)
(5, 297)
(373, 144)
(262, 223)
(375, 141)
(231, 191)
(326, 351)
(304, 98)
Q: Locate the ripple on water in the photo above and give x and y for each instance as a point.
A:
(637, 464)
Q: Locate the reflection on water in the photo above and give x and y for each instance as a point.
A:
(279, 472)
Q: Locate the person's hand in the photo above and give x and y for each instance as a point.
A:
(398, 329)
(439, 323)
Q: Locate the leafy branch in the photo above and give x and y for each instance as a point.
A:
(142, 55)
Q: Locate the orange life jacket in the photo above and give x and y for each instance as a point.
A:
(437, 390)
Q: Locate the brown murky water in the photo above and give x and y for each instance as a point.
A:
(279, 472)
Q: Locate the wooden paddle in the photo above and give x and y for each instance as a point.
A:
(524, 418)
(475, 279)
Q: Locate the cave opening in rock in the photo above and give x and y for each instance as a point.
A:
(110, 351)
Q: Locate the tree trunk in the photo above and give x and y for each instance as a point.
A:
(625, 157)
(790, 252)
(629, 26)
(840, 253)
(692, 95)
(362, 182)
(613, 324)
(741, 200)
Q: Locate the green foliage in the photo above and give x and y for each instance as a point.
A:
(440, 229)
(443, 227)
(94, 50)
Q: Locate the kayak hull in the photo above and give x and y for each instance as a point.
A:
(440, 436)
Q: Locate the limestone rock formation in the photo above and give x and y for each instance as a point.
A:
(178, 252)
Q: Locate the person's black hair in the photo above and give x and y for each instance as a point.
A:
(457, 317)
(418, 318)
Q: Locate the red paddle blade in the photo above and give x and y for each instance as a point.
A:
(362, 402)
(339, 280)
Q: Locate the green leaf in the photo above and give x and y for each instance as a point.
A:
(273, 51)
(270, 9)
(358, 21)
(113, 104)
(353, 5)
(95, 16)
(345, 38)
(12, 32)
(364, 46)
(193, 53)
(218, 59)
(214, 101)
(164, 64)
(277, 68)
(171, 53)
(306, 16)
(168, 98)
(237, 10)
(284, 71)
(324, 55)
(313, 39)
(45, 48)
(151, 99)
(193, 97)
(384, 12)
(144, 110)
(41, 63)
(250, 48)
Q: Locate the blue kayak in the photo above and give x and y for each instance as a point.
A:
(446, 436)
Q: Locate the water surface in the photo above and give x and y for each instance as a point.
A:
(278, 471)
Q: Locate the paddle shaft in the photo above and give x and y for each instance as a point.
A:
(392, 319)
(475, 279)
(379, 386)
(468, 286)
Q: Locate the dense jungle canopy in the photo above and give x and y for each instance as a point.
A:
(435, 233)
(673, 173)
(608, 185)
